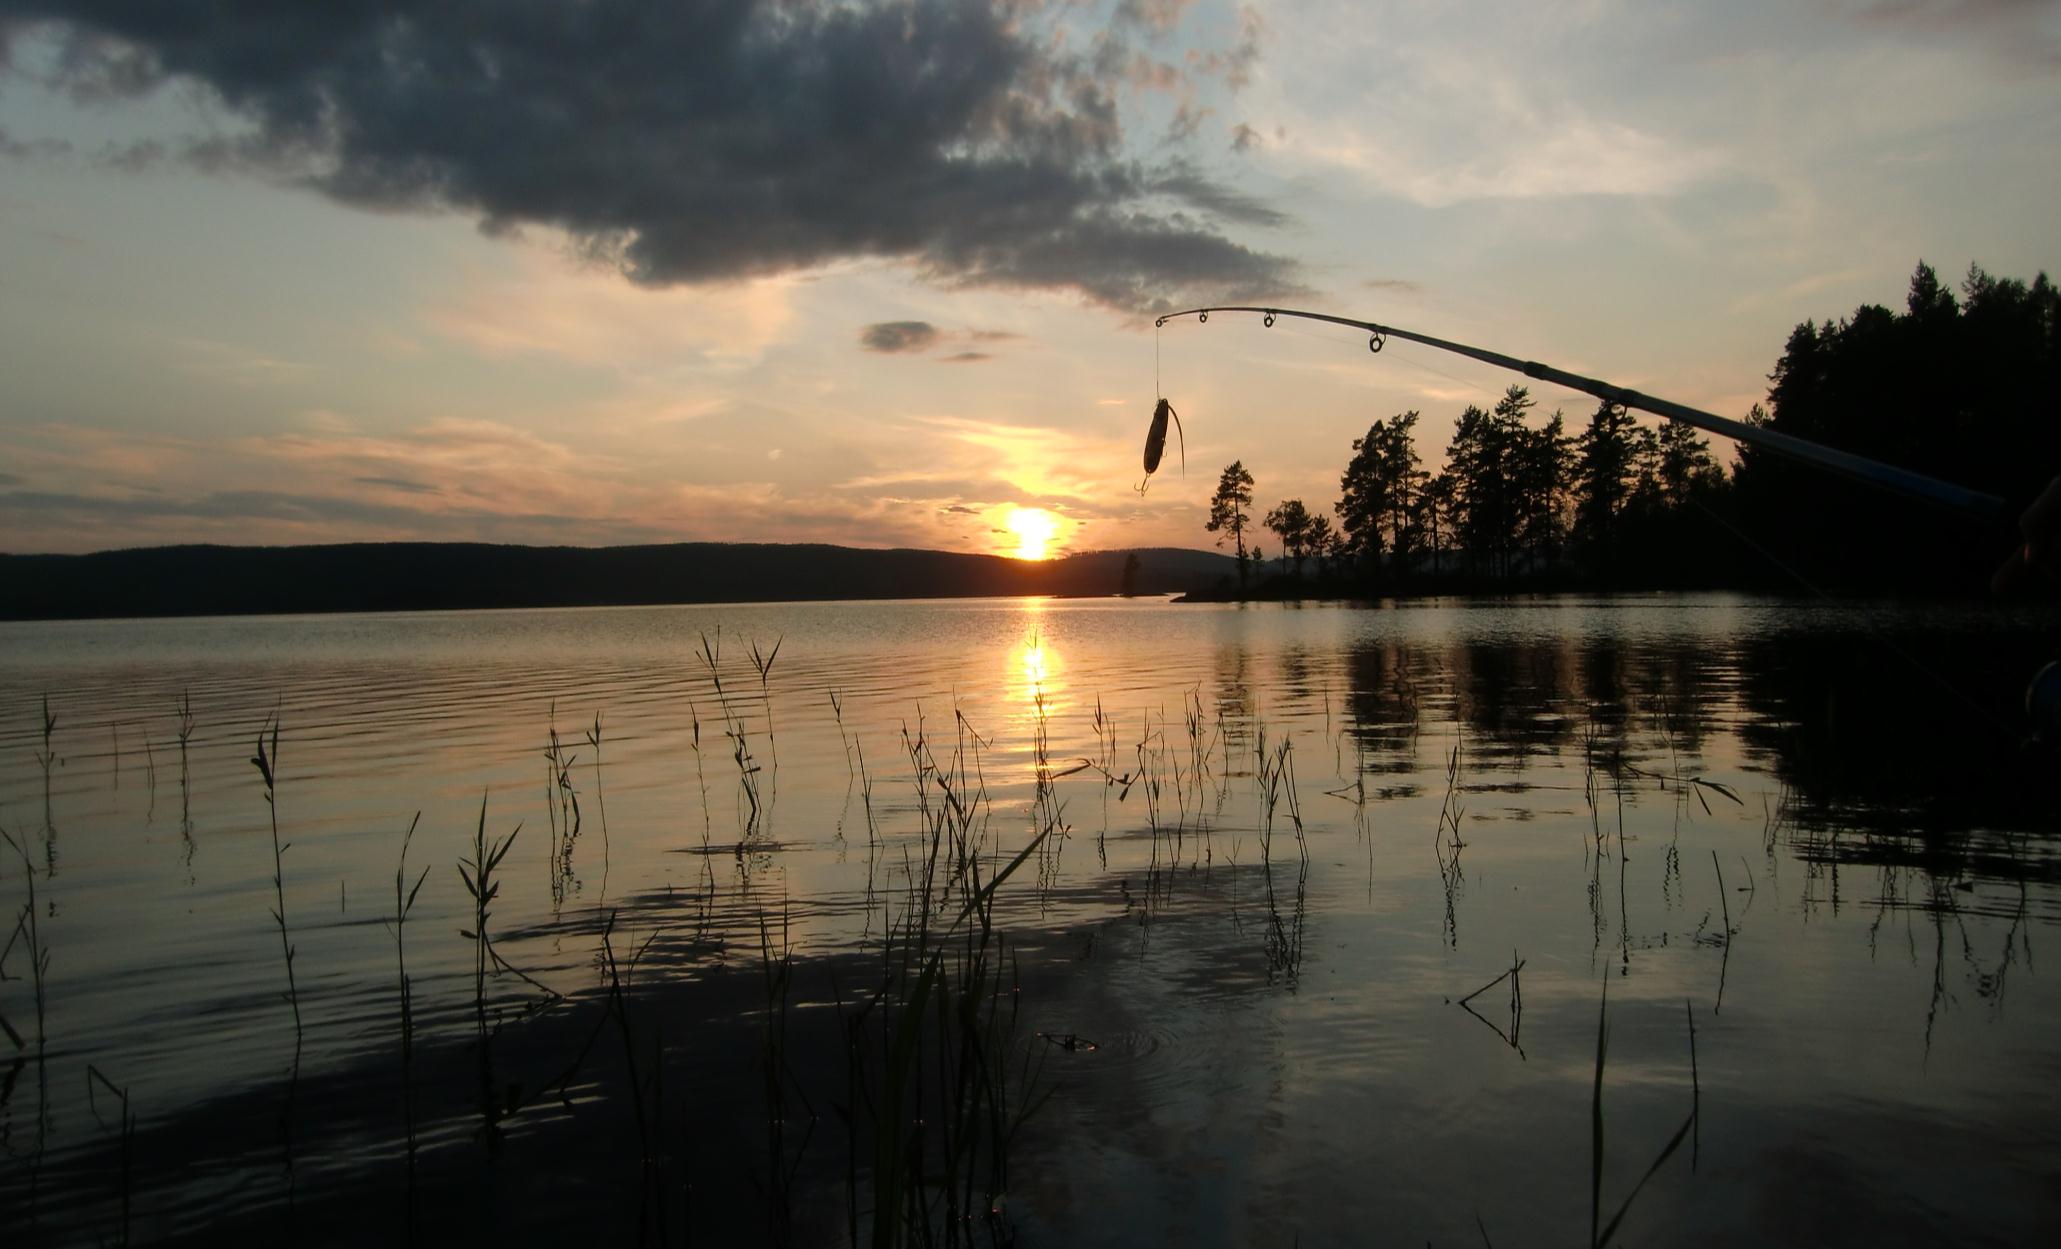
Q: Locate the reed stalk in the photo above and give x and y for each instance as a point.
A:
(404, 902)
(266, 760)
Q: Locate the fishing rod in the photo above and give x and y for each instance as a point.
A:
(1859, 467)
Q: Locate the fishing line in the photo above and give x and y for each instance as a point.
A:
(1875, 473)
(2004, 730)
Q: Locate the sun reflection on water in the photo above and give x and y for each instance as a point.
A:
(1036, 673)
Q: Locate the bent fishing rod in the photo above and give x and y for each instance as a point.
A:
(1802, 450)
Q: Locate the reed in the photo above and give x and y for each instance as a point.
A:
(600, 797)
(734, 729)
(404, 902)
(1446, 846)
(125, 1132)
(562, 808)
(649, 1119)
(779, 1081)
(762, 663)
(934, 1109)
(837, 714)
(48, 754)
(480, 885)
(266, 760)
(46, 757)
(185, 731)
(1599, 1238)
(1513, 1035)
(28, 931)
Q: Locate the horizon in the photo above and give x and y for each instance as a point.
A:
(893, 285)
(1050, 558)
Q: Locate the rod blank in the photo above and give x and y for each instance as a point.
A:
(1802, 450)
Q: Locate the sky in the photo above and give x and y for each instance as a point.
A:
(886, 274)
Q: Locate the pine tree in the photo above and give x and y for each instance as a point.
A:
(1228, 510)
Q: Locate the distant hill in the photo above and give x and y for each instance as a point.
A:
(420, 576)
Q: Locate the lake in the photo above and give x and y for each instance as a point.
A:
(1090, 922)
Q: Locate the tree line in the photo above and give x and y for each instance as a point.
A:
(1967, 389)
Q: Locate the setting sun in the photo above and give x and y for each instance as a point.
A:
(1034, 528)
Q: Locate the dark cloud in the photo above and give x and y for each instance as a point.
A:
(1188, 185)
(898, 336)
(1159, 16)
(966, 357)
(698, 140)
(1244, 138)
(1401, 286)
(220, 505)
(23, 511)
(398, 483)
(31, 149)
(958, 509)
(992, 336)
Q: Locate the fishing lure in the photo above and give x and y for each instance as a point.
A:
(1155, 441)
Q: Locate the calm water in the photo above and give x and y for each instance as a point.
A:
(1812, 830)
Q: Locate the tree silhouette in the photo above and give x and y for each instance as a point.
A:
(1604, 455)
(1378, 491)
(1965, 389)
(1291, 522)
(1228, 510)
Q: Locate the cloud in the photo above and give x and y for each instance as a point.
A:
(398, 483)
(31, 149)
(898, 336)
(1211, 198)
(693, 142)
(966, 357)
(1400, 286)
(1158, 16)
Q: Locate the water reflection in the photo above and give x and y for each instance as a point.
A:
(1311, 831)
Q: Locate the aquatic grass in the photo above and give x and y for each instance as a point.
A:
(150, 773)
(125, 1134)
(934, 1109)
(478, 875)
(1511, 1035)
(1725, 963)
(185, 733)
(1275, 773)
(404, 902)
(28, 931)
(47, 756)
(762, 663)
(267, 763)
(600, 799)
(777, 971)
(649, 1119)
(1446, 846)
(562, 808)
(734, 729)
(1597, 1239)
(837, 714)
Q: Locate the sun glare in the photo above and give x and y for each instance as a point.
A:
(1034, 528)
